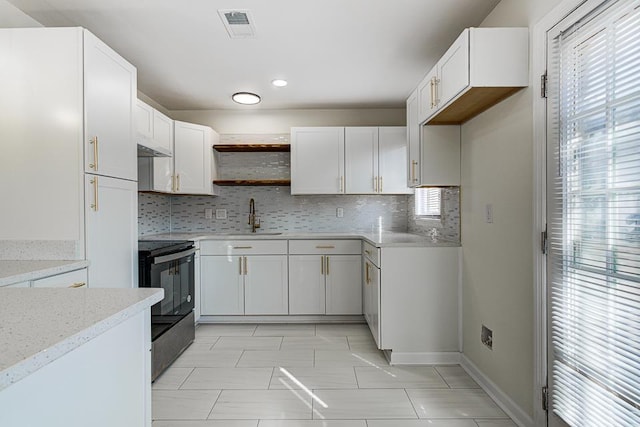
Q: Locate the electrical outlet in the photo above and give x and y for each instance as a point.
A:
(221, 214)
(208, 213)
(488, 213)
(339, 212)
(486, 336)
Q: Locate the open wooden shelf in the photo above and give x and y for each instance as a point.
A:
(253, 182)
(248, 148)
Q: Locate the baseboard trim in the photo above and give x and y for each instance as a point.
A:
(415, 358)
(520, 417)
(282, 319)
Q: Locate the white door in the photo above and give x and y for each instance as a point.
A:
(266, 285)
(306, 284)
(413, 141)
(392, 160)
(221, 285)
(361, 160)
(343, 284)
(192, 155)
(453, 70)
(317, 160)
(593, 216)
(111, 219)
(110, 97)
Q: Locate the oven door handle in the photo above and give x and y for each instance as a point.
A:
(173, 257)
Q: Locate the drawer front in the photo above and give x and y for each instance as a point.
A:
(243, 247)
(325, 247)
(371, 253)
(72, 279)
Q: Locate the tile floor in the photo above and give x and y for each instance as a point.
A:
(298, 375)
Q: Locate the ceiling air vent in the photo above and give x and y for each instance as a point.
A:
(238, 23)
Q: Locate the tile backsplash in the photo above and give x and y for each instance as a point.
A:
(278, 210)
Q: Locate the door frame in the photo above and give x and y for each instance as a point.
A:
(538, 68)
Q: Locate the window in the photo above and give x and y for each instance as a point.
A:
(428, 203)
(594, 210)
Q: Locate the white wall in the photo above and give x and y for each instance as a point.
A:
(12, 17)
(497, 169)
(255, 121)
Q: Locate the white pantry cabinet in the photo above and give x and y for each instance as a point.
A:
(317, 160)
(244, 277)
(73, 122)
(325, 277)
(376, 160)
(190, 170)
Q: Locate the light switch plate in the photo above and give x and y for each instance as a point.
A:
(221, 214)
(339, 212)
(488, 213)
(208, 213)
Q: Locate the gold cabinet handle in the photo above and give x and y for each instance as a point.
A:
(242, 247)
(367, 252)
(432, 84)
(178, 182)
(325, 247)
(173, 183)
(78, 285)
(246, 267)
(380, 184)
(322, 265)
(240, 265)
(436, 101)
(375, 184)
(94, 205)
(327, 269)
(367, 280)
(94, 141)
(413, 170)
(341, 183)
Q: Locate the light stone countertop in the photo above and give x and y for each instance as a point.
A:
(383, 239)
(38, 326)
(22, 271)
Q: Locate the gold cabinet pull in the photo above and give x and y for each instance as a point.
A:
(242, 247)
(367, 280)
(173, 183)
(246, 266)
(322, 265)
(327, 269)
(178, 182)
(413, 170)
(94, 141)
(240, 265)
(380, 184)
(325, 247)
(78, 285)
(94, 205)
(367, 252)
(375, 184)
(432, 90)
(341, 183)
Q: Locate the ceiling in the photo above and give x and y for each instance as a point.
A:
(334, 53)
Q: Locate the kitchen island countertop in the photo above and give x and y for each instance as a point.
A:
(25, 270)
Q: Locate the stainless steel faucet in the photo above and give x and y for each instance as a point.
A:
(252, 216)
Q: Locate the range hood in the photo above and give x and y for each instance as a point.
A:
(147, 147)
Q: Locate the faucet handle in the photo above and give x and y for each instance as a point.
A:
(258, 224)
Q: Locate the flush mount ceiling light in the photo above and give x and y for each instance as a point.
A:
(279, 83)
(245, 98)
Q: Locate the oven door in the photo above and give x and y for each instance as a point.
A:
(175, 274)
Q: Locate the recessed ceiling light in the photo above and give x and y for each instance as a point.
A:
(279, 83)
(245, 98)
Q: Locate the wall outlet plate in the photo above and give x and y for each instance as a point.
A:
(339, 212)
(221, 214)
(208, 213)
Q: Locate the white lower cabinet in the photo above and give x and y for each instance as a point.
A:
(243, 278)
(371, 299)
(71, 279)
(325, 277)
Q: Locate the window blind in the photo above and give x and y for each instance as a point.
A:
(594, 190)
(428, 202)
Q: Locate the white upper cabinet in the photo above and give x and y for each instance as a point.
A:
(481, 68)
(163, 131)
(392, 160)
(154, 131)
(110, 85)
(193, 157)
(413, 141)
(351, 160)
(317, 160)
(361, 160)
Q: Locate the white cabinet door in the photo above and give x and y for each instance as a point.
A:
(392, 160)
(317, 160)
(221, 285)
(111, 219)
(440, 155)
(453, 70)
(343, 275)
(192, 158)
(19, 285)
(110, 88)
(266, 285)
(361, 160)
(413, 141)
(306, 284)
(428, 95)
(71, 279)
(144, 119)
(371, 300)
(162, 130)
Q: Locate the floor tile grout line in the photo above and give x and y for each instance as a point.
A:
(214, 404)
(411, 402)
(435, 368)
(186, 378)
